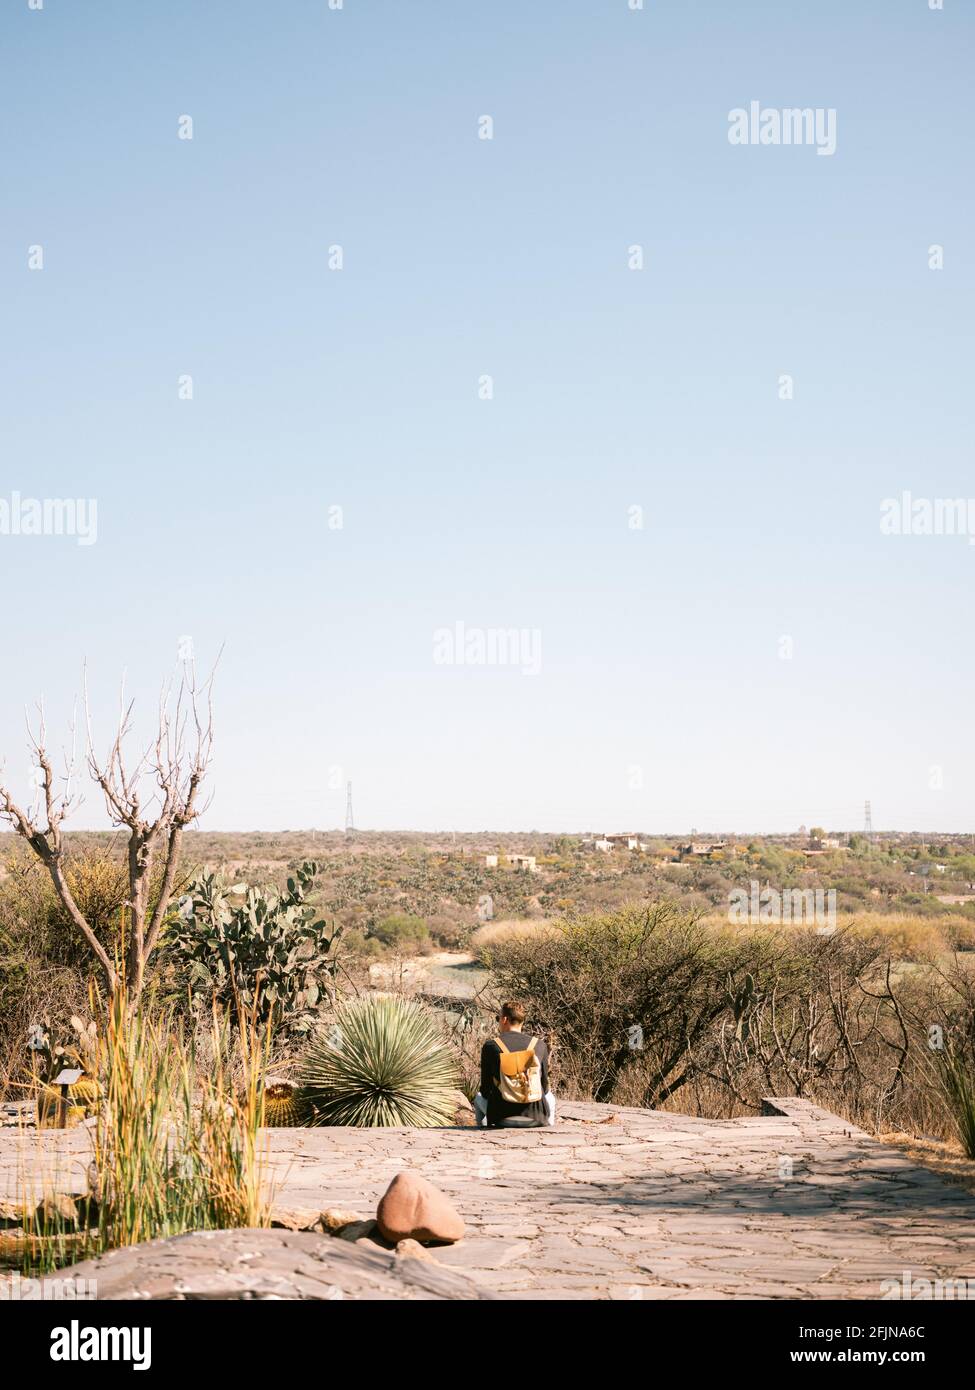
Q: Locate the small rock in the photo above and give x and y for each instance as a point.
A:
(57, 1212)
(464, 1116)
(296, 1219)
(413, 1209)
(13, 1213)
(334, 1218)
(413, 1250)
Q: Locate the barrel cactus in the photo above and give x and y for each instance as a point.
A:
(49, 1110)
(382, 1062)
(51, 1057)
(86, 1092)
(284, 1107)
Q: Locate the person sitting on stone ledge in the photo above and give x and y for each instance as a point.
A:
(514, 1090)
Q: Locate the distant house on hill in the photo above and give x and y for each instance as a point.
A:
(523, 861)
(819, 844)
(702, 849)
(513, 861)
(606, 843)
(632, 842)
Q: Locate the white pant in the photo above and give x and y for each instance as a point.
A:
(480, 1109)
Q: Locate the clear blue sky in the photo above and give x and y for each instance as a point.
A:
(358, 388)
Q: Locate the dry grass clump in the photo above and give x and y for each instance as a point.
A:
(905, 936)
(176, 1140)
(495, 934)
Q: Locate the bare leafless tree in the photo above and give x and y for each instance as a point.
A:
(154, 801)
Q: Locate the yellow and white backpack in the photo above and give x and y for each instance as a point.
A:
(520, 1078)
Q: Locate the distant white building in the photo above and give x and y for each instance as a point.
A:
(610, 842)
(632, 842)
(490, 861)
(523, 861)
(702, 849)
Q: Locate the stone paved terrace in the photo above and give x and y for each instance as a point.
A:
(622, 1204)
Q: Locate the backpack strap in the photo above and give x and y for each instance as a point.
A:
(531, 1046)
(500, 1044)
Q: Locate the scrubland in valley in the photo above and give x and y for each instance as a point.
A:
(403, 907)
(648, 990)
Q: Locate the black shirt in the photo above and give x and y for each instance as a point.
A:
(497, 1107)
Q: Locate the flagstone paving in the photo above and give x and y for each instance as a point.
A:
(617, 1203)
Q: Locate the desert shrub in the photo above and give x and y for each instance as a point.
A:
(384, 1061)
(823, 1019)
(402, 932)
(259, 950)
(14, 975)
(450, 935)
(495, 934)
(635, 988)
(34, 916)
(362, 947)
(45, 965)
(960, 933)
(658, 1007)
(905, 936)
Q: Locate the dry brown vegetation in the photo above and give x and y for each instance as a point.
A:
(657, 1007)
(820, 1019)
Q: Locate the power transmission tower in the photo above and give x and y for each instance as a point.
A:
(349, 823)
(867, 822)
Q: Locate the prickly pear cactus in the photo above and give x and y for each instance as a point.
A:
(256, 949)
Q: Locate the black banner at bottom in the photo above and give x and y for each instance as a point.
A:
(146, 1338)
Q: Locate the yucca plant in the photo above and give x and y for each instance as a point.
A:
(383, 1062)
